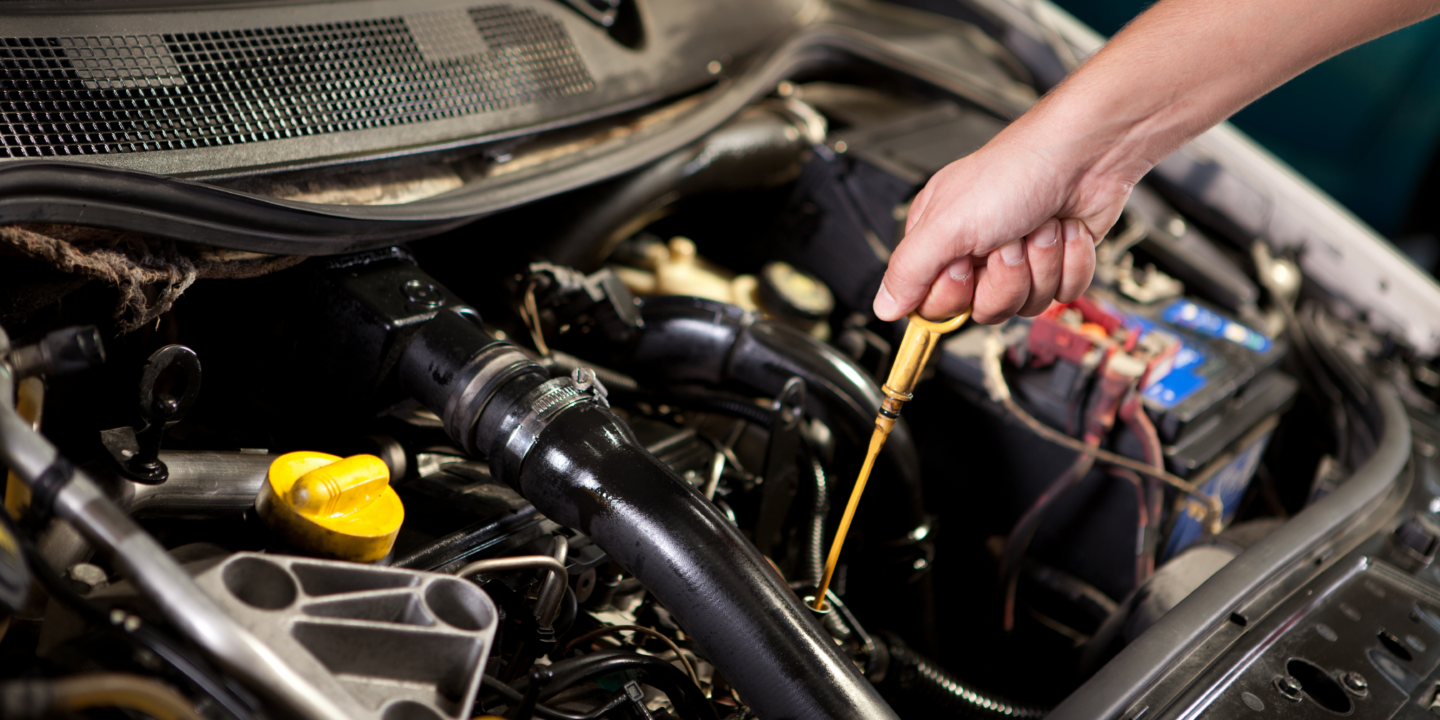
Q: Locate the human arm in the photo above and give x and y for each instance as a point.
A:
(1013, 226)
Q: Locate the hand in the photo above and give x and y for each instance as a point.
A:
(1006, 230)
(1014, 225)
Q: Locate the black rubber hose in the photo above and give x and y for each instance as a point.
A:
(588, 471)
(814, 548)
(692, 341)
(696, 341)
(918, 687)
(657, 673)
(582, 467)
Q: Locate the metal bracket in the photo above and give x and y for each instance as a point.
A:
(781, 475)
(169, 384)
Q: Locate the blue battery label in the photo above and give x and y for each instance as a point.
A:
(1186, 314)
(1181, 382)
(1184, 378)
(1229, 484)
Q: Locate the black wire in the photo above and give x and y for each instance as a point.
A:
(1320, 387)
(718, 402)
(1019, 539)
(1345, 380)
(659, 674)
(146, 637)
(512, 696)
(1347, 376)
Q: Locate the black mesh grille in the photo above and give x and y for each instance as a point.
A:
(86, 95)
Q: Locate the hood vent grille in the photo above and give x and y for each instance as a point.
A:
(66, 96)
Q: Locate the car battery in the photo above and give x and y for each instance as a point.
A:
(1213, 398)
(1216, 408)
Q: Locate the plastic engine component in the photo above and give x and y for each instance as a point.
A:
(333, 507)
(329, 618)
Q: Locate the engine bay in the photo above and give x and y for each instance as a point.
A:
(583, 457)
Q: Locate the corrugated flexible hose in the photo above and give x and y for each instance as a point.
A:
(917, 687)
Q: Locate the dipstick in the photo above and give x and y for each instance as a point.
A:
(921, 337)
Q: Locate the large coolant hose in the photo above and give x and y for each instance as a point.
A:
(581, 466)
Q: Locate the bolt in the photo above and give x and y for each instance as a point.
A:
(1289, 687)
(422, 293)
(86, 577)
(1355, 682)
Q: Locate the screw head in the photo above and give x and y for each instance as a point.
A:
(1288, 687)
(1355, 682)
(422, 293)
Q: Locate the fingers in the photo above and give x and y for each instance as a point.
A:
(1004, 285)
(915, 265)
(1079, 265)
(914, 268)
(1046, 256)
(952, 291)
(1053, 263)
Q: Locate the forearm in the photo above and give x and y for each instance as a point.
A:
(1012, 226)
(1185, 65)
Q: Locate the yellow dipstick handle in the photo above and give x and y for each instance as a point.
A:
(921, 337)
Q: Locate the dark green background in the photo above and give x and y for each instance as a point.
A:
(1363, 125)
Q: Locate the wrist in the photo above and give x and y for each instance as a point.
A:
(1079, 131)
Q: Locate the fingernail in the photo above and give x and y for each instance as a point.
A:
(960, 270)
(1072, 230)
(885, 304)
(1013, 253)
(1047, 234)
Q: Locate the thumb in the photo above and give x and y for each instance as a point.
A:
(913, 268)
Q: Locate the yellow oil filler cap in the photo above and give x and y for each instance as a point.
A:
(342, 508)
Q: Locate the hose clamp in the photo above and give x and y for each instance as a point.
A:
(587, 382)
(489, 370)
(541, 406)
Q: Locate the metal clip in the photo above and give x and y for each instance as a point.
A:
(586, 382)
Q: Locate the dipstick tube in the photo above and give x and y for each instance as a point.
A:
(921, 337)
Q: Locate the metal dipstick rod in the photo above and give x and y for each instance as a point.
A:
(921, 337)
